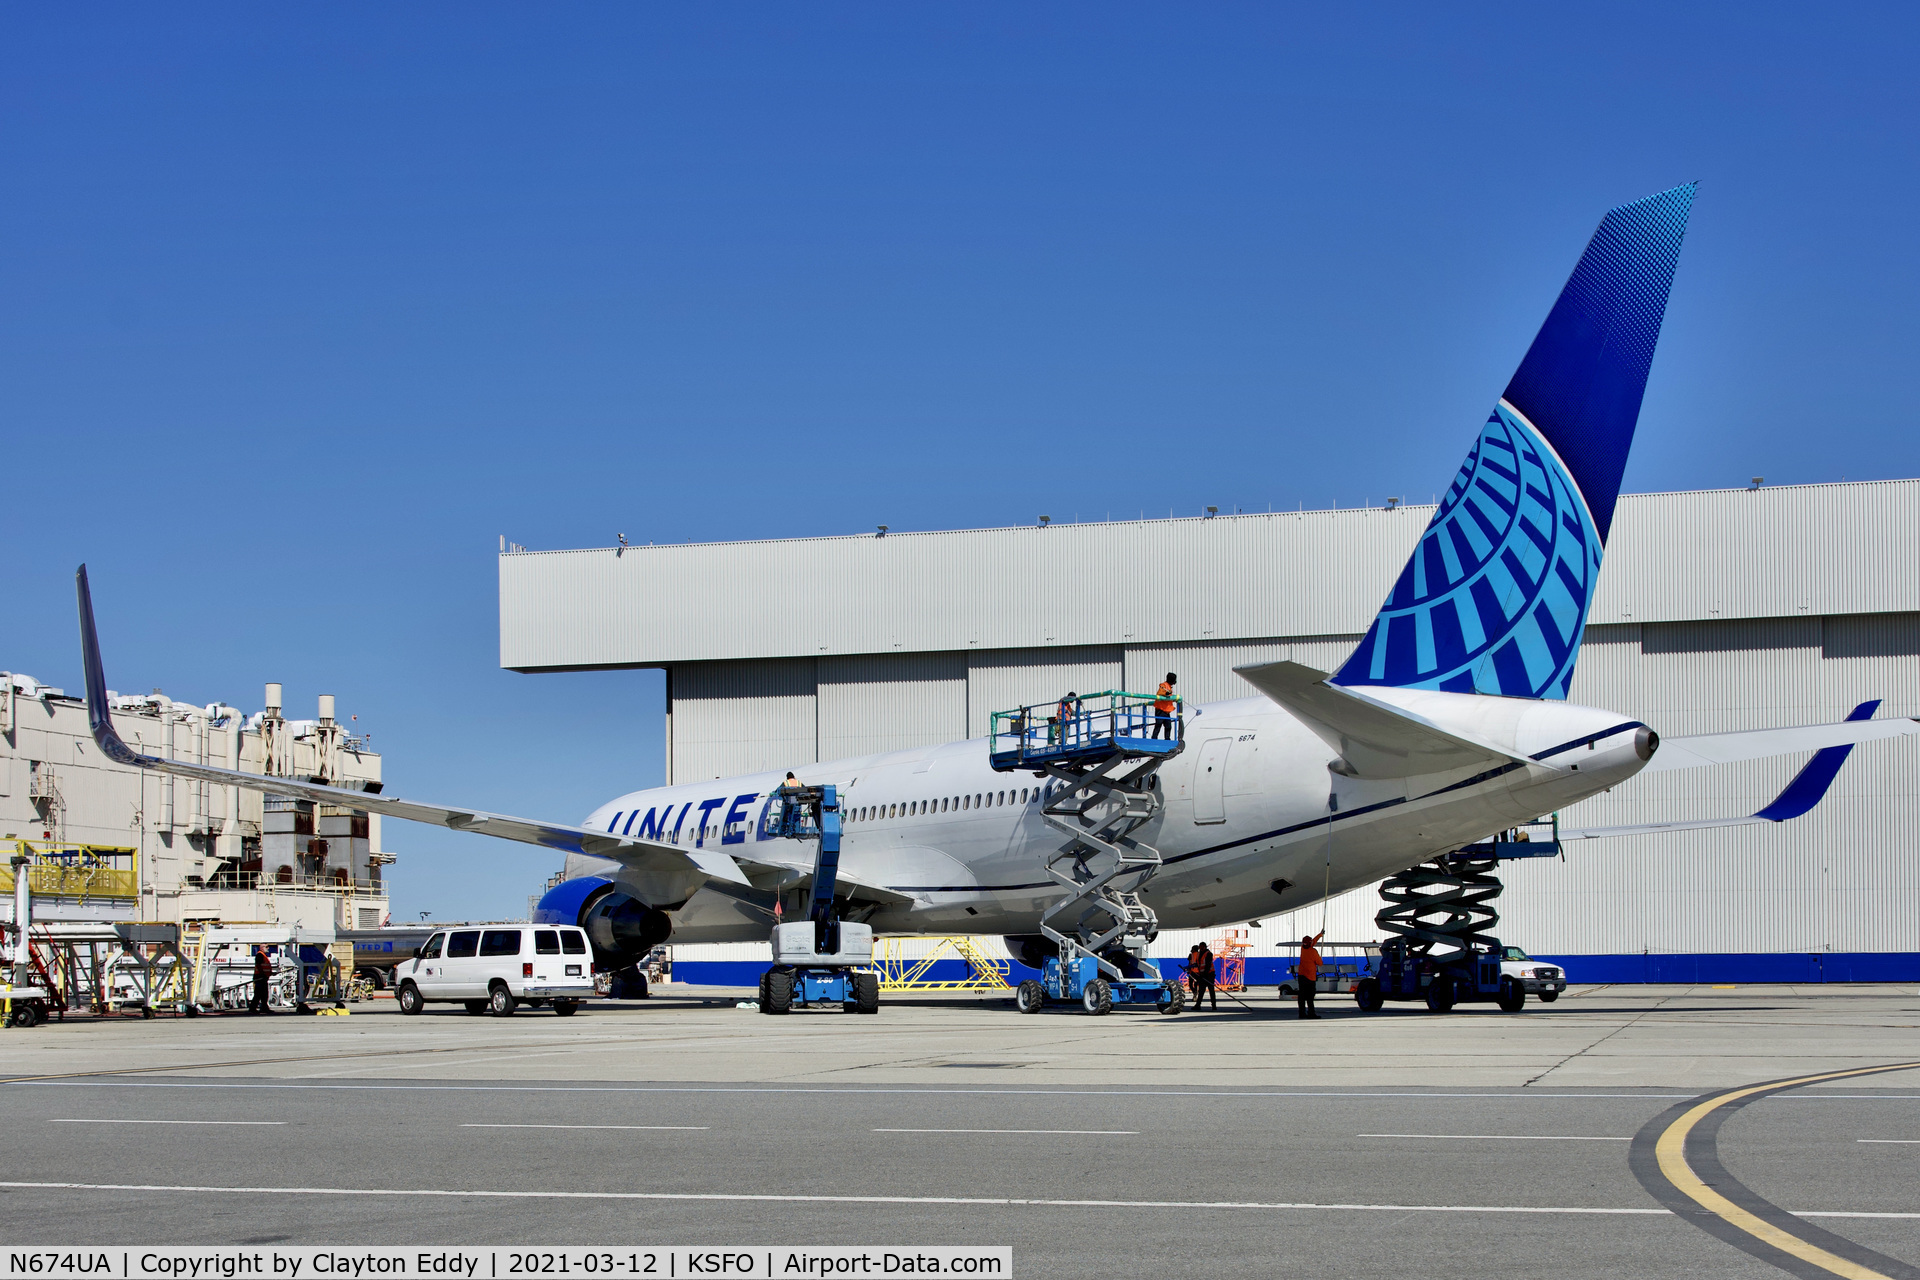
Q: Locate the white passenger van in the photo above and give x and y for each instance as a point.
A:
(497, 968)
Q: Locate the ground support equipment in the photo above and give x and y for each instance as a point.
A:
(1102, 752)
(901, 972)
(822, 960)
(1443, 951)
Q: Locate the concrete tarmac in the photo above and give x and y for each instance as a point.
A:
(1207, 1144)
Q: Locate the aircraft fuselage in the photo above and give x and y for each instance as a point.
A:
(1257, 817)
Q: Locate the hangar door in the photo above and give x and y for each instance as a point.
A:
(1209, 777)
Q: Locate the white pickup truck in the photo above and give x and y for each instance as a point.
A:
(1544, 981)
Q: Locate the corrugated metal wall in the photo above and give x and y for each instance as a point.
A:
(1017, 677)
(1206, 670)
(888, 702)
(741, 717)
(1844, 878)
(1794, 551)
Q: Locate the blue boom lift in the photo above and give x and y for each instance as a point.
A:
(822, 960)
(1103, 751)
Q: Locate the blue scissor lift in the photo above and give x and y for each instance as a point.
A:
(822, 960)
(1103, 752)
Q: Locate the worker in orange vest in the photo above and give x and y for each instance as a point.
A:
(1163, 705)
(1200, 970)
(1307, 975)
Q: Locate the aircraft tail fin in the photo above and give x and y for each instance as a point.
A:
(1495, 596)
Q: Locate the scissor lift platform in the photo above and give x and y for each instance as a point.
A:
(1082, 730)
(1103, 754)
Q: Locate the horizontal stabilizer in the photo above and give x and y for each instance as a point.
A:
(1757, 744)
(647, 855)
(1375, 738)
(1808, 788)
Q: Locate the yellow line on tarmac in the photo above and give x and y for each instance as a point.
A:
(1671, 1152)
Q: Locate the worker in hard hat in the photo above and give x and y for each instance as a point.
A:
(1163, 704)
(1307, 975)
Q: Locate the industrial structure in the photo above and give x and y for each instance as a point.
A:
(106, 843)
(1717, 611)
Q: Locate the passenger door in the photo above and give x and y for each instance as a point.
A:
(1209, 781)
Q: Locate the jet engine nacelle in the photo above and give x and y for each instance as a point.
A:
(621, 928)
(1031, 949)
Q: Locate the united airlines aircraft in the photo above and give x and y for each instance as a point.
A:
(1449, 722)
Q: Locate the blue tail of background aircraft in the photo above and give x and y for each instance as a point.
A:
(1495, 596)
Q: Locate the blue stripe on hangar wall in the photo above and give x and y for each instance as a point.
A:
(1735, 967)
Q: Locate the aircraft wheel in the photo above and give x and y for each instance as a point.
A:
(409, 999)
(1367, 996)
(779, 993)
(1030, 998)
(1176, 1000)
(1548, 997)
(1513, 996)
(1097, 998)
(1440, 995)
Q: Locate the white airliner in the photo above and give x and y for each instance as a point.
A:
(1447, 725)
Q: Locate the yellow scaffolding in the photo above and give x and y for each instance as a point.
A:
(899, 973)
(76, 870)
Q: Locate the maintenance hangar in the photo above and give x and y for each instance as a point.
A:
(1717, 610)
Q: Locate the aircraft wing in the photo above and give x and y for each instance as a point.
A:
(801, 869)
(1376, 739)
(642, 855)
(1756, 744)
(1808, 788)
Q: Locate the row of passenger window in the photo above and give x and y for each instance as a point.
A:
(944, 804)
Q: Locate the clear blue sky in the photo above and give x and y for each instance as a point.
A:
(304, 306)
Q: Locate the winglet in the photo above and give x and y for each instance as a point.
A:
(1809, 786)
(99, 719)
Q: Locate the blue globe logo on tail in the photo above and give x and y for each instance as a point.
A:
(1494, 599)
(1496, 593)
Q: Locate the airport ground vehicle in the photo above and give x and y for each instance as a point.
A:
(1545, 981)
(1079, 980)
(1476, 973)
(1343, 966)
(498, 968)
(822, 960)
